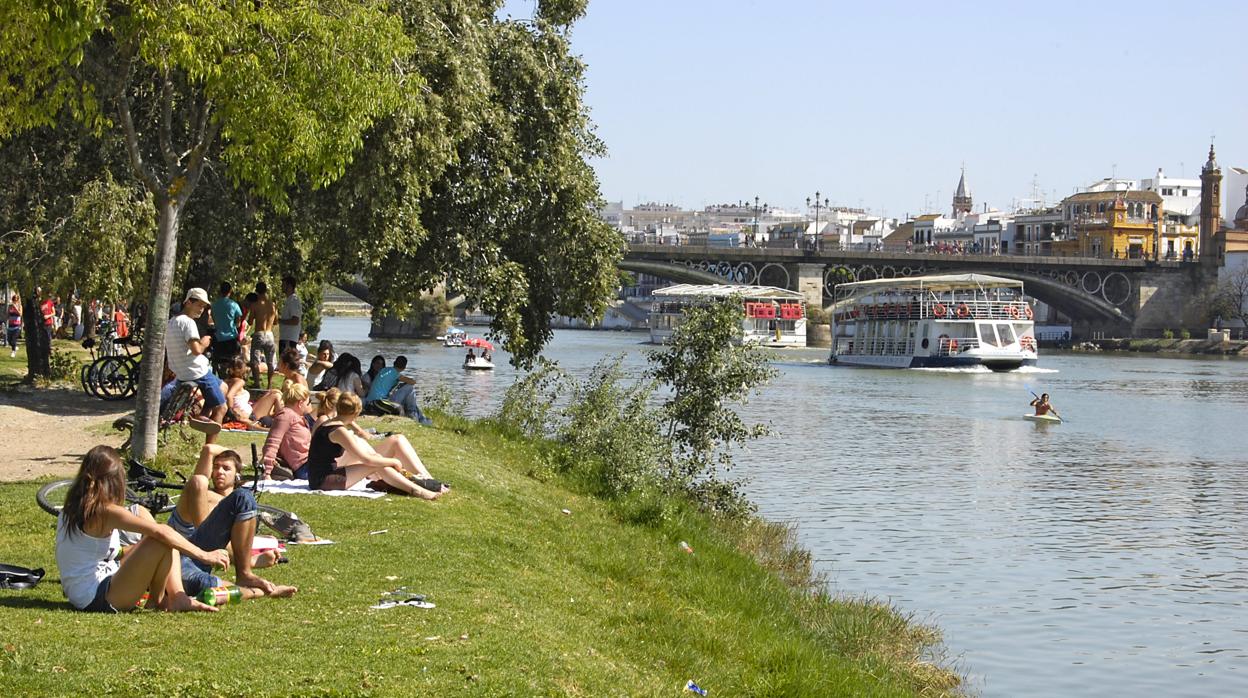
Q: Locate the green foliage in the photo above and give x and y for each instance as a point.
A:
(709, 369)
(529, 405)
(611, 425)
(1167, 334)
(817, 315)
(63, 365)
(1185, 333)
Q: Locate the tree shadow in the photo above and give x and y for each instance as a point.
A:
(63, 402)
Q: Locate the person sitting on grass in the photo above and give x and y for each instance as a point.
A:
(214, 511)
(288, 365)
(374, 367)
(87, 545)
(323, 362)
(338, 458)
(287, 443)
(239, 398)
(326, 407)
(384, 388)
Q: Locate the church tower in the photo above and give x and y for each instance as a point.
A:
(1210, 207)
(962, 203)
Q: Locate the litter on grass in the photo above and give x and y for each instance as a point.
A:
(318, 541)
(567, 511)
(691, 687)
(402, 597)
(374, 533)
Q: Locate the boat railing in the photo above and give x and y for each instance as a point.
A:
(952, 346)
(939, 309)
(875, 346)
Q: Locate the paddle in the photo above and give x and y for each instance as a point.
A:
(1033, 394)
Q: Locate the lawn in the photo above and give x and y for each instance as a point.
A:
(531, 601)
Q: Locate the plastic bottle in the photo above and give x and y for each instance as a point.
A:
(220, 596)
(686, 547)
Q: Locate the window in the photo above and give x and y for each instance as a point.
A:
(1006, 332)
(987, 337)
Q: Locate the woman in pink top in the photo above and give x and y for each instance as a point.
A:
(289, 437)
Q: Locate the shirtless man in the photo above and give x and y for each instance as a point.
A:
(1043, 407)
(263, 315)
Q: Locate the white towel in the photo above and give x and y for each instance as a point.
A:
(301, 487)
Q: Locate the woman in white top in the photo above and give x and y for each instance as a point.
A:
(87, 546)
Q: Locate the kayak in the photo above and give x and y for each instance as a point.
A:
(1043, 418)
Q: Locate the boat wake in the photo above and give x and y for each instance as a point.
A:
(984, 369)
(1034, 369)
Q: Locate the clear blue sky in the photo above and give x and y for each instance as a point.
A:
(880, 103)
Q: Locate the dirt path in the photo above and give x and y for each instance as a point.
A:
(47, 431)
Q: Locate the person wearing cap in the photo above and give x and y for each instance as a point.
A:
(185, 350)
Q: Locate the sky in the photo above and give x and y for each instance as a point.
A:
(879, 104)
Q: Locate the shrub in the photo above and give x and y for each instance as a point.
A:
(817, 315)
(62, 365)
(1167, 334)
(1185, 334)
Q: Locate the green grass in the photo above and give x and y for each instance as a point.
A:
(530, 602)
(13, 370)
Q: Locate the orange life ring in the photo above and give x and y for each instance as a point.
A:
(1028, 312)
(1011, 310)
(939, 310)
(963, 311)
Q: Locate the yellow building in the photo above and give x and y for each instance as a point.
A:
(1112, 224)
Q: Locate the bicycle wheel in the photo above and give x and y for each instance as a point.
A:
(117, 377)
(83, 375)
(51, 497)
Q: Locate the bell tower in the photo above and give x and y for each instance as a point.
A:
(962, 203)
(1210, 207)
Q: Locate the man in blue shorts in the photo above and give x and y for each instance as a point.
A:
(185, 349)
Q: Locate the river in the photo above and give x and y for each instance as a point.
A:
(1104, 556)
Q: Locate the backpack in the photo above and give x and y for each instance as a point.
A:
(382, 408)
(14, 577)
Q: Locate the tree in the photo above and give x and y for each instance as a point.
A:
(709, 368)
(1231, 297)
(282, 90)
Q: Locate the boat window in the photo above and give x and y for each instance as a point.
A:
(987, 336)
(1006, 332)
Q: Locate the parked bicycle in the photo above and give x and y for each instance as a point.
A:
(113, 373)
(152, 490)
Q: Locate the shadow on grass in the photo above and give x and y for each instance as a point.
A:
(10, 601)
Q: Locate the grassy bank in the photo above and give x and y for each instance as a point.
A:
(530, 601)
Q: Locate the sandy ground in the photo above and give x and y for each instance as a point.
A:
(47, 431)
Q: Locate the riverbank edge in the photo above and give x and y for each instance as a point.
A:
(759, 561)
(1181, 347)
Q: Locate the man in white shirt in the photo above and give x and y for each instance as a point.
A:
(184, 348)
(290, 318)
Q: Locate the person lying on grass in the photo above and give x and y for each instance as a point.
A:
(214, 511)
(338, 458)
(290, 435)
(87, 545)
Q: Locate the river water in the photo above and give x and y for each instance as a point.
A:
(1104, 556)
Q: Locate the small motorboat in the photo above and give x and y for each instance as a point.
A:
(454, 337)
(1043, 418)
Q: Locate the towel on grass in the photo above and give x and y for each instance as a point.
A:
(301, 487)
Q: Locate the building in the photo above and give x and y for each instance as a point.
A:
(1111, 221)
(1036, 231)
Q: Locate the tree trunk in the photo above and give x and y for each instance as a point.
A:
(147, 413)
(37, 346)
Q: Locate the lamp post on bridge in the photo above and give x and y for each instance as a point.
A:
(817, 204)
(764, 209)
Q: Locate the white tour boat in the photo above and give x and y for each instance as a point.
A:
(454, 337)
(940, 321)
(771, 316)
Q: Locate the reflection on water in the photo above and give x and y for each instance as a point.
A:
(1104, 556)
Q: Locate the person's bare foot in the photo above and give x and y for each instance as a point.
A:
(282, 591)
(255, 582)
(180, 603)
(267, 558)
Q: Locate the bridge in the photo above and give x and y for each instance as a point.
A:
(1106, 295)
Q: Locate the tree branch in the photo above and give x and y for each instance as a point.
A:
(141, 170)
(166, 124)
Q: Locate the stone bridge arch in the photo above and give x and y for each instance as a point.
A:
(678, 273)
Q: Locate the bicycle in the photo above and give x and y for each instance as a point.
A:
(174, 411)
(149, 489)
(113, 373)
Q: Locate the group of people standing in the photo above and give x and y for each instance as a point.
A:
(71, 320)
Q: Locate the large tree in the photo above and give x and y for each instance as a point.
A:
(475, 174)
(280, 90)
